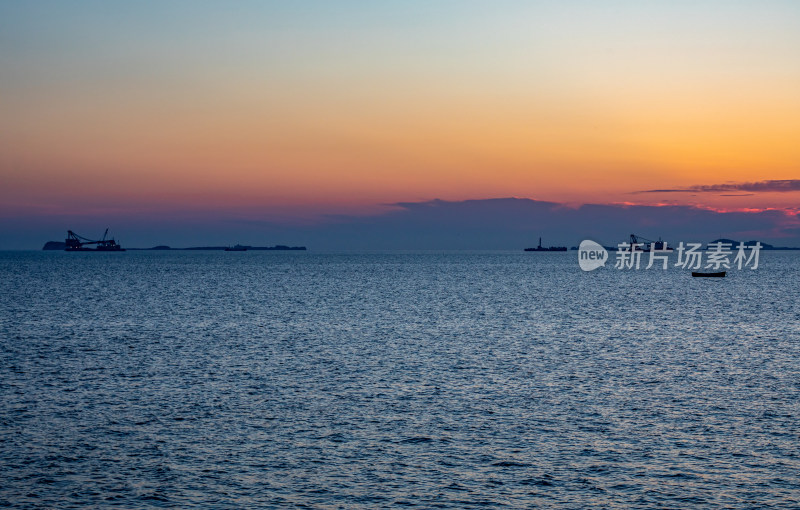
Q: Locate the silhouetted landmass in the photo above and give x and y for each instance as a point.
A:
(58, 245)
(733, 244)
(277, 247)
(764, 246)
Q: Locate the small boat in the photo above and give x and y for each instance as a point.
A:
(709, 275)
(238, 247)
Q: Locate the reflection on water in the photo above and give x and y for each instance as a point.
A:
(457, 380)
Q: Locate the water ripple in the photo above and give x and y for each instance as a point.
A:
(454, 380)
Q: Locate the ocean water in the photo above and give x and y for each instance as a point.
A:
(384, 380)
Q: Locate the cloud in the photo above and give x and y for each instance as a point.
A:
(784, 185)
(515, 223)
(490, 224)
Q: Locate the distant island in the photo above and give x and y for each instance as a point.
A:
(58, 245)
(749, 244)
(277, 247)
(734, 244)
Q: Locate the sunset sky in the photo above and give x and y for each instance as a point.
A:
(290, 111)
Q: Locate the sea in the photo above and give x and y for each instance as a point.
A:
(209, 379)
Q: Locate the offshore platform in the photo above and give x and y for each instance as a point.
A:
(74, 242)
(543, 248)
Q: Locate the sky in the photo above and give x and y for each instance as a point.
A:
(168, 117)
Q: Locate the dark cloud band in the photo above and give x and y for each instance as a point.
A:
(785, 185)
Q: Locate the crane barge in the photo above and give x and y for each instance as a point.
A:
(74, 242)
(639, 243)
